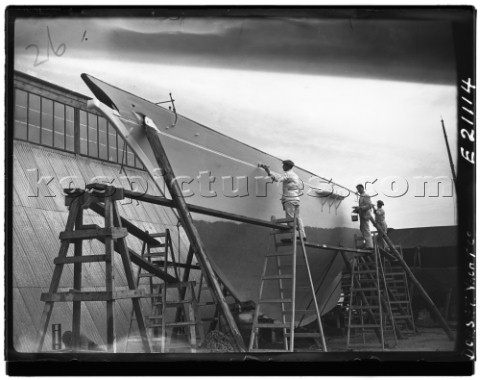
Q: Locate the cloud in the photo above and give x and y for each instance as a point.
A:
(402, 50)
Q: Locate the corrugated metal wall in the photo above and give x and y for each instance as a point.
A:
(37, 222)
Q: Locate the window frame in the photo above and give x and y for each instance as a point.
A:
(76, 130)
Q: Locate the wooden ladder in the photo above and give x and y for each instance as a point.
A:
(399, 295)
(169, 331)
(183, 300)
(113, 236)
(278, 291)
(369, 309)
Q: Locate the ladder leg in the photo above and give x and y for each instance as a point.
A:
(57, 273)
(164, 327)
(294, 282)
(350, 306)
(317, 311)
(282, 294)
(253, 335)
(127, 265)
(109, 277)
(77, 285)
(192, 318)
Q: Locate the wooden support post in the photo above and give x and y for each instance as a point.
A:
(57, 273)
(414, 280)
(109, 277)
(77, 285)
(190, 229)
(127, 264)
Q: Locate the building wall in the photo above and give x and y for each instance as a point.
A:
(57, 140)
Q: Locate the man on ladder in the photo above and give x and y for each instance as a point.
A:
(292, 185)
(363, 210)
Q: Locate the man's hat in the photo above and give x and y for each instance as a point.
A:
(289, 163)
(380, 202)
(360, 185)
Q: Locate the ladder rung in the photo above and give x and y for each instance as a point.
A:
(272, 325)
(154, 317)
(277, 300)
(402, 316)
(137, 339)
(206, 303)
(174, 303)
(158, 234)
(277, 277)
(179, 324)
(357, 326)
(154, 254)
(266, 350)
(273, 254)
(305, 335)
(363, 289)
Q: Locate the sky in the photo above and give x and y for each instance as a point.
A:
(345, 98)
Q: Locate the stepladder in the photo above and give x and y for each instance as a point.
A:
(285, 263)
(399, 294)
(370, 320)
(113, 236)
(172, 316)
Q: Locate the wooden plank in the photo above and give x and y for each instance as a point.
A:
(84, 296)
(94, 233)
(131, 228)
(80, 259)
(201, 210)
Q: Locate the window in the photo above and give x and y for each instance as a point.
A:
(51, 123)
(83, 133)
(102, 139)
(34, 118)
(47, 122)
(112, 144)
(21, 106)
(58, 125)
(92, 135)
(69, 128)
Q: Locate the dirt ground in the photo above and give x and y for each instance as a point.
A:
(426, 339)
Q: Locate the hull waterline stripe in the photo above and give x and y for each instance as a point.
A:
(225, 155)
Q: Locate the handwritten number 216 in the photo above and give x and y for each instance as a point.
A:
(59, 51)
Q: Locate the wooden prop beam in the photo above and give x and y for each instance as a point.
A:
(162, 201)
(414, 280)
(189, 227)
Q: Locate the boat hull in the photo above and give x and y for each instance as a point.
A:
(221, 173)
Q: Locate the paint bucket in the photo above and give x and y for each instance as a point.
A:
(354, 217)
